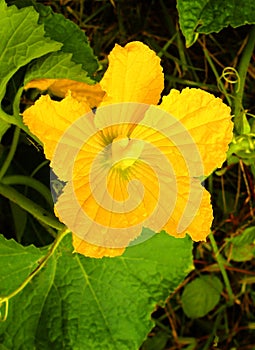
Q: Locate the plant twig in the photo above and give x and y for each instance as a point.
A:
(210, 61)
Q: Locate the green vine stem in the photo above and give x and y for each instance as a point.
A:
(42, 262)
(31, 182)
(34, 209)
(11, 153)
(220, 262)
(18, 122)
(7, 117)
(242, 70)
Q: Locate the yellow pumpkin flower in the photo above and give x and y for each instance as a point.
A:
(132, 162)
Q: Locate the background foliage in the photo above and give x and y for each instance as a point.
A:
(74, 302)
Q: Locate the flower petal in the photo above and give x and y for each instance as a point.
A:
(208, 121)
(40, 84)
(134, 75)
(92, 94)
(119, 118)
(93, 251)
(104, 206)
(48, 119)
(193, 211)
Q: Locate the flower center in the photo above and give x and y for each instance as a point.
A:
(125, 151)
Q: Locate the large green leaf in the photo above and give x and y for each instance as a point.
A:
(22, 40)
(16, 263)
(207, 16)
(75, 61)
(82, 303)
(74, 41)
(32, 35)
(58, 65)
(62, 30)
(3, 128)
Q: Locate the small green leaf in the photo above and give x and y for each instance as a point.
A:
(83, 303)
(207, 16)
(16, 263)
(244, 252)
(242, 125)
(246, 237)
(201, 295)
(157, 341)
(242, 146)
(241, 247)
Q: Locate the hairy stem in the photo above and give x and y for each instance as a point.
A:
(220, 262)
(31, 182)
(34, 209)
